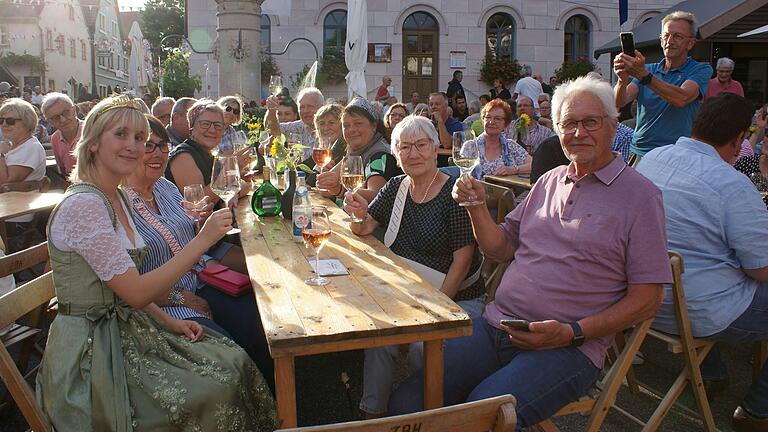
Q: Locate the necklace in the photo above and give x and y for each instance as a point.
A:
(426, 192)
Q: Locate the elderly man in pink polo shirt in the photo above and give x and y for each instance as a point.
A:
(60, 112)
(723, 83)
(588, 259)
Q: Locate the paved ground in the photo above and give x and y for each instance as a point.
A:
(322, 398)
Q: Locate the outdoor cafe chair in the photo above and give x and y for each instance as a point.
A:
(27, 186)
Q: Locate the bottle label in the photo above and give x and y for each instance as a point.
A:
(269, 203)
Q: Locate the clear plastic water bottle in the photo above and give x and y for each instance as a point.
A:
(302, 207)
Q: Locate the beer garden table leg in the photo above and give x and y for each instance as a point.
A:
(285, 389)
(433, 374)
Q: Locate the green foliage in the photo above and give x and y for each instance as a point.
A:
(159, 19)
(174, 76)
(297, 79)
(36, 63)
(569, 71)
(506, 69)
(268, 68)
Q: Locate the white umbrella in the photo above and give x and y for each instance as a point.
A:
(356, 47)
(137, 67)
(758, 30)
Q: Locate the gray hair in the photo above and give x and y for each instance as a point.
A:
(543, 96)
(526, 71)
(475, 106)
(23, 109)
(411, 126)
(53, 98)
(311, 91)
(682, 16)
(166, 100)
(202, 106)
(226, 100)
(726, 63)
(4, 87)
(597, 88)
(182, 104)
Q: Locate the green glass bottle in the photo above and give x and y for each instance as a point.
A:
(266, 199)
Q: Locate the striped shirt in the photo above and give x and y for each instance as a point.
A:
(172, 215)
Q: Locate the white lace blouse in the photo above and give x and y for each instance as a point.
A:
(82, 225)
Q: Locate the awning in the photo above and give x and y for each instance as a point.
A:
(7, 76)
(713, 16)
(759, 30)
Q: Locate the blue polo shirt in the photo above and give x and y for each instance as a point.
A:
(658, 122)
(716, 219)
(452, 125)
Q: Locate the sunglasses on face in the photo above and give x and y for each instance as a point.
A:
(150, 146)
(235, 111)
(10, 121)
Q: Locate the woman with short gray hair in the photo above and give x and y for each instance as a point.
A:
(22, 157)
(431, 232)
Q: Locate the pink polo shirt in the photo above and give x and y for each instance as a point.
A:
(580, 242)
(62, 150)
(714, 88)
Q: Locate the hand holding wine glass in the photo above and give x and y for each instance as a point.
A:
(352, 177)
(275, 84)
(225, 181)
(316, 234)
(218, 224)
(466, 156)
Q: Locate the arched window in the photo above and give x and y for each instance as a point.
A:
(500, 36)
(266, 32)
(335, 32)
(420, 21)
(576, 41)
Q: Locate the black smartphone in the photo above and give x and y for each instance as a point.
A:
(628, 43)
(517, 324)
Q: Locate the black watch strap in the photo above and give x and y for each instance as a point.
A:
(578, 335)
(647, 79)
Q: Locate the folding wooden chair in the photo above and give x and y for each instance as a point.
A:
(27, 186)
(502, 200)
(492, 414)
(15, 304)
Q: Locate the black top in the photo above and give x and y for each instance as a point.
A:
(503, 94)
(202, 158)
(429, 232)
(548, 155)
(454, 89)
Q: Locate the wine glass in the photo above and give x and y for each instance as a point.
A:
(321, 153)
(275, 84)
(225, 182)
(316, 233)
(194, 195)
(466, 156)
(352, 178)
(239, 141)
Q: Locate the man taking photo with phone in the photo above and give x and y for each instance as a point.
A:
(669, 92)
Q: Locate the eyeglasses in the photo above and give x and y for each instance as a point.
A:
(591, 124)
(235, 111)
(60, 117)
(495, 119)
(150, 146)
(205, 124)
(677, 37)
(422, 146)
(10, 121)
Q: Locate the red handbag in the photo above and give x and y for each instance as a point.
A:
(226, 280)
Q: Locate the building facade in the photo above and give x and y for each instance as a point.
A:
(419, 44)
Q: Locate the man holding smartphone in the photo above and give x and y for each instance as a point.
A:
(668, 92)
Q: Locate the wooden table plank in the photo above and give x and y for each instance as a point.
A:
(510, 181)
(14, 204)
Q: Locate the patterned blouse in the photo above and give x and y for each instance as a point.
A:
(173, 217)
(512, 155)
(536, 134)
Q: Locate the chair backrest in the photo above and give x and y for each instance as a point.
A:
(499, 198)
(678, 293)
(27, 186)
(24, 259)
(492, 414)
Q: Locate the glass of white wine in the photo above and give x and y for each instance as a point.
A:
(316, 234)
(275, 84)
(225, 182)
(352, 178)
(466, 156)
(194, 195)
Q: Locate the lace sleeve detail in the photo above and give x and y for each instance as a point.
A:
(87, 231)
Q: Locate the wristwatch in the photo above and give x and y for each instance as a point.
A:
(647, 79)
(175, 298)
(578, 335)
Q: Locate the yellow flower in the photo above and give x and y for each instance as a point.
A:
(273, 148)
(526, 119)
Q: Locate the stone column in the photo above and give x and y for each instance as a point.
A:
(237, 48)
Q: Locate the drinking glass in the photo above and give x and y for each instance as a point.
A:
(225, 182)
(316, 233)
(321, 153)
(352, 178)
(194, 195)
(466, 156)
(275, 84)
(239, 140)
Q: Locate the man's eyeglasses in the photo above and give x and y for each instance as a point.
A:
(677, 37)
(150, 146)
(205, 124)
(235, 111)
(591, 124)
(10, 121)
(423, 147)
(60, 117)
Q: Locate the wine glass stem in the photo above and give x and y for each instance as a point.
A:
(317, 263)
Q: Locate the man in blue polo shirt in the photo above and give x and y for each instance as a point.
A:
(444, 123)
(669, 92)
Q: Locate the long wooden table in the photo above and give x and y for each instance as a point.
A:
(381, 302)
(15, 204)
(510, 181)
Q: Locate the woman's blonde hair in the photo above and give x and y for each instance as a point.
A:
(120, 109)
(329, 109)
